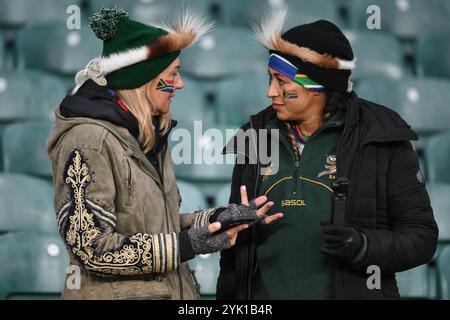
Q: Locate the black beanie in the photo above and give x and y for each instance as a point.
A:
(325, 38)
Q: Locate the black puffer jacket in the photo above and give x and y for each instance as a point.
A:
(387, 199)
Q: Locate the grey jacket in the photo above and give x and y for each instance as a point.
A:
(119, 220)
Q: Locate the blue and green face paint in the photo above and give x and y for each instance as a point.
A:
(166, 86)
(283, 66)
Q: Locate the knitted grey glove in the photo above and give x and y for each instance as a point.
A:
(203, 241)
(238, 211)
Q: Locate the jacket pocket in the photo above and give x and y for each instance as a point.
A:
(141, 290)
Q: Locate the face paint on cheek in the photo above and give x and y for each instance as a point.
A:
(167, 86)
(289, 94)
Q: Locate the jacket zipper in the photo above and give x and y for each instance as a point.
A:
(296, 167)
(129, 184)
(299, 162)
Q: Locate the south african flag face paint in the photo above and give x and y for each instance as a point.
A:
(166, 86)
(289, 94)
(289, 70)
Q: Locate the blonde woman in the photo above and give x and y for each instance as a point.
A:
(116, 197)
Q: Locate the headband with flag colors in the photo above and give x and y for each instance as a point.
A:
(289, 70)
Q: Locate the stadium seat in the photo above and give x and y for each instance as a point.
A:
(197, 155)
(29, 94)
(32, 265)
(443, 268)
(404, 18)
(421, 102)
(206, 270)
(377, 54)
(24, 148)
(189, 103)
(437, 153)
(17, 13)
(247, 13)
(433, 55)
(223, 195)
(2, 51)
(191, 197)
(240, 97)
(68, 51)
(413, 283)
(26, 203)
(217, 55)
(205, 145)
(144, 11)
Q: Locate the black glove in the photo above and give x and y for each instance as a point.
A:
(343, 243)
(202, 241)
(238, 211)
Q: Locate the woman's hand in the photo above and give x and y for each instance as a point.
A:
(261, 213)
(206, 240)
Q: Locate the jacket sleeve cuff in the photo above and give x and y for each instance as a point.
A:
(362, 253)
(205, 217)
(186, 251)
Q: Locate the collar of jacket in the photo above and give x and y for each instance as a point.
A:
(381, 124)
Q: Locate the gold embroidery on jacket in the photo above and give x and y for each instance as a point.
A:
(133, 256)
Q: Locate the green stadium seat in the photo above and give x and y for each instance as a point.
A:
(14, 13)
(240, 97)
(443, 267)
(2, 51)
(421, 102)
(29, 94)
(223, 195)
(197, 155)
(433, 55)
(192, 198)
(144, 11)
(305, 11)
(216, 55)
(17, 13)
(377, 54)
(437, 153)
(24, 148)
(26, 203)
(405, 18)
(247, 13)
(206, 145)
(189, 103)
(68, 51)
(413, 283)
(147, 11)
(32, 265)
(206, 270)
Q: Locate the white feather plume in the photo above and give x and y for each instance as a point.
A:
(188, 22)
(271, 26)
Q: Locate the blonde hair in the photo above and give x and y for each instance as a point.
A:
(140, 104)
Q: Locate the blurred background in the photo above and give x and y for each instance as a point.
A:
(404, 65)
